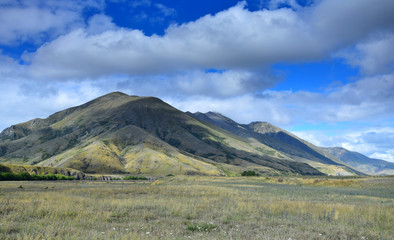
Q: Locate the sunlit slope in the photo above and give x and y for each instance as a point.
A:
(121, 133)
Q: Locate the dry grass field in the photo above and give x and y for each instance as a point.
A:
(199, 208)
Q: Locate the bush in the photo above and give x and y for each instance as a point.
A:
(27, 177)
(201, 227)
(134, 178)
(6, 176)
(249, 173)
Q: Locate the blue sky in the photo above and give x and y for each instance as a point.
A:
(322, 69)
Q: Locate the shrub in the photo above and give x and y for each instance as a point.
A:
(27, 177)
(134, 178)
(249, 173)
(201, 227)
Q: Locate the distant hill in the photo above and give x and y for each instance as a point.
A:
(118, 133)
(362, 162)
(281, 142)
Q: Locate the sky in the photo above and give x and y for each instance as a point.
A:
(321, 69)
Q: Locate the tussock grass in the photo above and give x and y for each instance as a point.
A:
(199, 208)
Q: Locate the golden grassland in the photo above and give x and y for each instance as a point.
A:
(195, 207)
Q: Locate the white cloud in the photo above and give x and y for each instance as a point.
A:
(100, 23)
(373, 56)
(23, 100)
(166, 11)
(19, 25)
(36, 21)
(340, 23)
(370, 99)
(221, 84)
(274, 4)
(388, 156)
(10, 69)
(234, 38)
(312, 137)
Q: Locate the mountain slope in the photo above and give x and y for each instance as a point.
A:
(362, 162)
(280, 141)
(118, 133)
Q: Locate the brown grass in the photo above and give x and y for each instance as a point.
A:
(199, 208)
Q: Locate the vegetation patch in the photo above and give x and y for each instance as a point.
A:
(7, 176)
(249, 173)
(134, 178)
(201, 227)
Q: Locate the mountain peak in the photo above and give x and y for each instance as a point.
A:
(264, 127)
(112, 95)
(218, 116)
(218, 119)
(116, 93)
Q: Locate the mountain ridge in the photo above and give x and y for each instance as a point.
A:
(263, 131)
(368, 165)
(118, 133)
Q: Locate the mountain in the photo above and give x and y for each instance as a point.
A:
(363, 163)
(281, 142)
(118, 133)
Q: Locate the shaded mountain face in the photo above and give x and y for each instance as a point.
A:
(281, 141)
(117, 133)
(362, 162)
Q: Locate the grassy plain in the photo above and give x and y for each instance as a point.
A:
(200, 208)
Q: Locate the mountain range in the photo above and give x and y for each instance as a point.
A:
(118, 133)
(361, 162)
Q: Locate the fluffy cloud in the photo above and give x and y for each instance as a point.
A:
(221, 84)
(373, 56)
(340, 23)
(234, 38)
(23, 100)
(368, 100)
(9, 68)
(38, 20)
(388, 155)
(100, 23)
